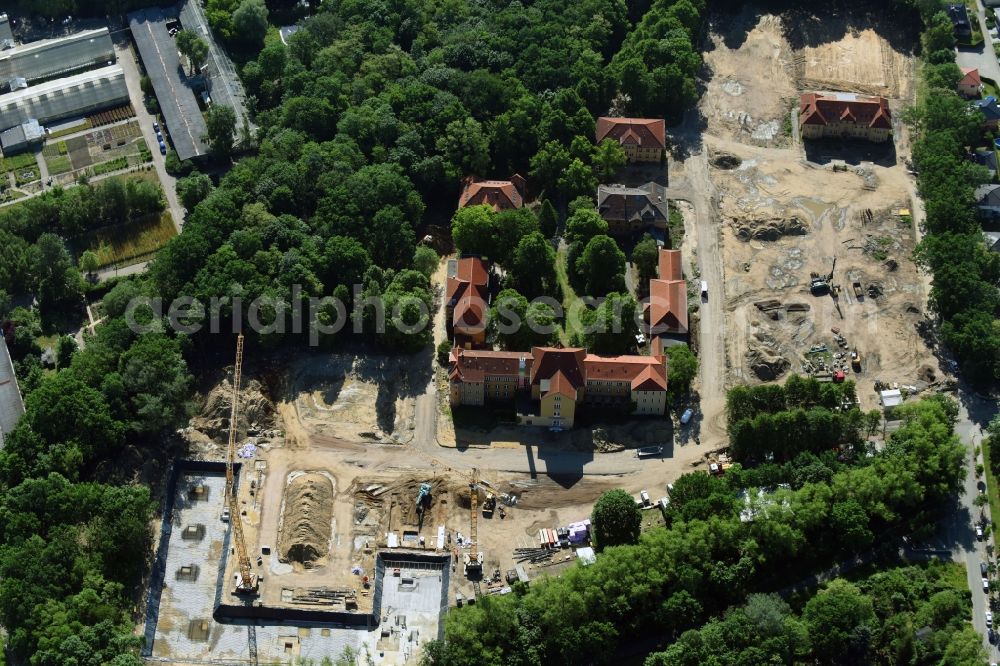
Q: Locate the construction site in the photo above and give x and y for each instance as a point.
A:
(817, 241)
(285, 541)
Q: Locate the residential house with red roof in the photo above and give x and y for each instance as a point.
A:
(550, 383)
(500, 194)
(843, 116)
(666, 312)
(642, 139)
(971, 84)
(467, 295)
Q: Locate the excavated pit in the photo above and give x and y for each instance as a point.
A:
(304, 537)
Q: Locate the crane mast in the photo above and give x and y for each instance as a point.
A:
(247, 582)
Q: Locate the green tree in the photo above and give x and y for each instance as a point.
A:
(473, 230)
(610, 328)
(88, 262)
(193, 189)
(443, 352)
(517, 325)
(250, 23)
(682, 368)
(840, 621)
(465, 147)
(608, 158)
(221, 124)
(548, 219)
(156, 382)
(58, 281)
(584, 224)
(601, 266)
(64, 352)
(192, 47)
(645, 256)
(532, 270)
(939, 33)
(577, 180)
(425, 260)
(548, 167)
(616, 519)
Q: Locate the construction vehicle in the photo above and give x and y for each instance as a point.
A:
(246, 580)
(856, 361)
(820, 284)
(858, 292)
(489, 504)
(422, 496)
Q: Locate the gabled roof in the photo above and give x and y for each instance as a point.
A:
(989, 107)
(986, 158)
(500, 194)
(468, 294)
(643, 132)
(988, 195)
(547, 361)
(670, 264)
(641, 371)
(668, 306)
(646, 204)
(470, 365)
(824, 108)
(970, 77)
(561, 385)
(959, 16)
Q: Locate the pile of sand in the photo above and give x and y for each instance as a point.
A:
(768, 230)
(304, 533)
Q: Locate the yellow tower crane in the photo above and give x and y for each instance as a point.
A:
(473, 558)
(247, 582)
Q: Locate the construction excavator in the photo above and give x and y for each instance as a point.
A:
(246, 580)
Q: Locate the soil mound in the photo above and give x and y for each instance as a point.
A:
(764, 359)
(769, 229)
(255, 409)
(305, 523)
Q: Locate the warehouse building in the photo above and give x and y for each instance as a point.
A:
(21, 137)
(173, 89)
(76, 95)
(47, 58)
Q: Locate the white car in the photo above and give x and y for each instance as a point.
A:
(979, 532)
(986, 586)
(686, 416)
(989, 619)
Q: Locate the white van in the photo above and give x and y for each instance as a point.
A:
(704, 289)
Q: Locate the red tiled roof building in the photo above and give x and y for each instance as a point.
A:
(843, 116)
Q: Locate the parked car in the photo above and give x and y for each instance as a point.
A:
(704, 289)
(163, 147)
(979, 532)
(156, 127)
(686, 416)
(983, 568)
(989, 618)
(986, 586)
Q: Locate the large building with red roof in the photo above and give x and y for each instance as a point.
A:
(642, 139)
(552, 382)
(499, 194)
(844, 116)
(666, 312)
(467, 297)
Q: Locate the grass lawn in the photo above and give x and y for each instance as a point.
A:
(18, 162)
(125, 242)
(571, 302)
(990, 88)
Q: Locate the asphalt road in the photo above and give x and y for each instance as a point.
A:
(983, 58)
(959, 530)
